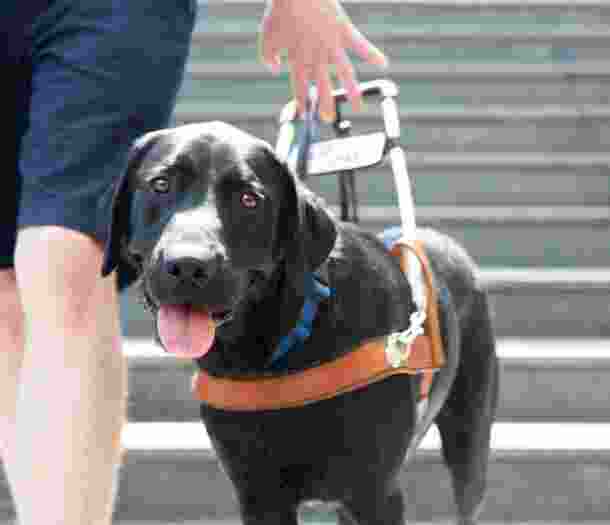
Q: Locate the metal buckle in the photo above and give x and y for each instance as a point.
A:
(398, 345)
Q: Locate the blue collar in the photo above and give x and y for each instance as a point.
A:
(315, 293)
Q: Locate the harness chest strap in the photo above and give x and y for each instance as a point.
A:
(364, 365)
(431, 324)
(357, 369)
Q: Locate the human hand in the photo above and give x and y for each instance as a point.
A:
(315, 34)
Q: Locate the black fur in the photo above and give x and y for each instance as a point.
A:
(348, 449)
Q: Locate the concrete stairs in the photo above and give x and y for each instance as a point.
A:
(505, 112)
(506, 119)
(533, 476)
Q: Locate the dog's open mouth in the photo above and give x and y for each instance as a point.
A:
(188, 332)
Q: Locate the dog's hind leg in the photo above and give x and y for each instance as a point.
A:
(466, 419)
(385, 509)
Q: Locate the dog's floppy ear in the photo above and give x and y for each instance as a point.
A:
(307, 230)
(315, 226)
(116, 210)
(306, 235)
(119, 201)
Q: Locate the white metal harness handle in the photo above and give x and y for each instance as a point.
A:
(406, 203)
(289, 147)
(387, 91)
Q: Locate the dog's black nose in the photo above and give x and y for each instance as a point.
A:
(190, 269)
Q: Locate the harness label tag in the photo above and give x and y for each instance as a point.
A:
(348, 153)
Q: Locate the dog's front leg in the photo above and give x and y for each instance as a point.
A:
(387, 508)
(261, 516)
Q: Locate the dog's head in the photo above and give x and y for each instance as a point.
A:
(216, 227)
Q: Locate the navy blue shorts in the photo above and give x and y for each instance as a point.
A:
(85, 78)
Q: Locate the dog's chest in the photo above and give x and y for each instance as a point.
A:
(317, 448)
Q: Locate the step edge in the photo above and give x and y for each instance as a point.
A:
(536, 37)
(585, 4)
(517, 159)
(506, 438)
(505, 214)
(461, 114)
(547, 352)
(510, 71)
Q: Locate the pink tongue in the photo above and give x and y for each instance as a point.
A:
(185, 332)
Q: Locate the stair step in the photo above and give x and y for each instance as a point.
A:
(430, 84)
(538, 472)
(555, 380)
(323, 519)
(545, 180)
(434, 16)
(542, 380)
(414, 46)
(519, 236)
(463, 184)
(454, 36)
(310, 518)
(530, 302)
(533, 438)
(598, 69)
(541, 302)
(456, 129)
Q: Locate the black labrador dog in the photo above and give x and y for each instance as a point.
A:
(220, 234)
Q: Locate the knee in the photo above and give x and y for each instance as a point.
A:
(58, 270)
(10, 306)
(11, 314)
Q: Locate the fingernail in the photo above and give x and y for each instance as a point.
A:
(378, 58)
(381, 60)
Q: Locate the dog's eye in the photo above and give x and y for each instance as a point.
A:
(160, 184)
(249, 200)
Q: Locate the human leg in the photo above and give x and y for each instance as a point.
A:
(72, 389)
(98, 82)
(16, 96)
(11, 355)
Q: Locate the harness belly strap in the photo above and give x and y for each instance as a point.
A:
(366, 364)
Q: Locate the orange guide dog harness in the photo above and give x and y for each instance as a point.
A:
(372, 361)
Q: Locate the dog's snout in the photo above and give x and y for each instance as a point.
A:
(189, 269)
